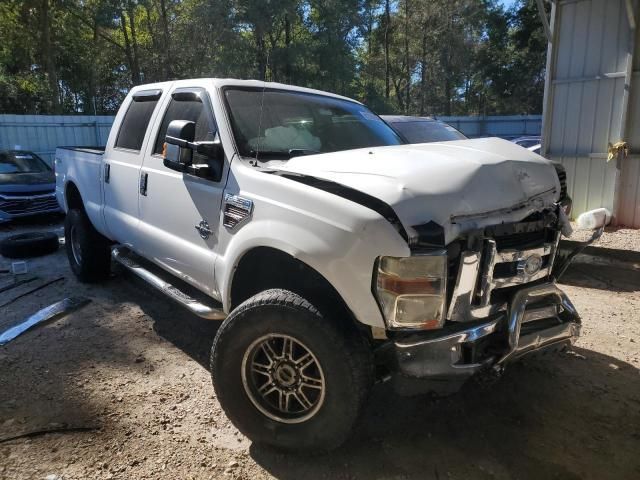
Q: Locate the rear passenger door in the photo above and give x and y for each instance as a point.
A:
(122, 163)
(174, 204)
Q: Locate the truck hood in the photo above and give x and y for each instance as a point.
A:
(460, 185)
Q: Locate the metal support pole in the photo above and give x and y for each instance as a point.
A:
(624, 120)
(544, 20)
(547, 112)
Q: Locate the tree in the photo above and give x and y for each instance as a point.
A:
(399, 56)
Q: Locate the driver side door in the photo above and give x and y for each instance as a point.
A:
(173, 204)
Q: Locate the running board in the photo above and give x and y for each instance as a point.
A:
(127, 259)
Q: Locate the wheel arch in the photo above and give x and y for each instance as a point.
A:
(72, 196)
(262, 268)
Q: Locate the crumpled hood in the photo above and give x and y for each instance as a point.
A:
(460, 185)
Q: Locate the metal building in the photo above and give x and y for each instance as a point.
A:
(591, 120)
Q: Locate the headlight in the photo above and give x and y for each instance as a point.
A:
(411, 291)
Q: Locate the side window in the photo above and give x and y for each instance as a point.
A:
(135, 122)
(191, 110)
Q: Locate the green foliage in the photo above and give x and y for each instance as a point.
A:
(421, 57)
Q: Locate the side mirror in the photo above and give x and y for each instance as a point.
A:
(178, 147)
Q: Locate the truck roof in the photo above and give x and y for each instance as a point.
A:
(233, 82)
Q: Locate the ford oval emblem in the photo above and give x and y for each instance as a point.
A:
(530, 265)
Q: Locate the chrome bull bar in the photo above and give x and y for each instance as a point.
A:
(516, 316)
(441, 356)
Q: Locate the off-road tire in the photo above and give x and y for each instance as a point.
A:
(343, 354)
(94, 263)
(27, 245)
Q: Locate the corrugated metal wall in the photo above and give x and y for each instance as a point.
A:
(584, 100)
(43, 133)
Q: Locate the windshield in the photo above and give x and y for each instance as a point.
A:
(22, 162)
(296, 123)
(427, 131)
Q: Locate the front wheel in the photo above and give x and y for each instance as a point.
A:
(288, 377)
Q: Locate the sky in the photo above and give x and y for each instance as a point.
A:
(507, 3)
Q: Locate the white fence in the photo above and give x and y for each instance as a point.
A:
(43, 133)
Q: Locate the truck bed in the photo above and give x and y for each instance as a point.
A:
(81, 165)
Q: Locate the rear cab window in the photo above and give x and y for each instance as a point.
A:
(136, 120)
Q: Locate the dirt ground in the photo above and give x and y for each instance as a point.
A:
(126, 376)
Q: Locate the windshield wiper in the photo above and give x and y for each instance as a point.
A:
(258, 154)
(293, 152)
(299, 152)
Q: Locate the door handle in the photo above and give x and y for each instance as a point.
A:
(144, 179)
(107, 172)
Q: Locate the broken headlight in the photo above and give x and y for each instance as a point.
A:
(411, 291)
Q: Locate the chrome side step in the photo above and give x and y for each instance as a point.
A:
(124, 257)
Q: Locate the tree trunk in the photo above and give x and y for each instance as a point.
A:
(135, 74)
(93, 88)
(406, 57)
(423, 71)
(168, 64)
(134, 43)
(158, 64)
(260, 50)
(387, 66)
(48, 56)
(287, 44)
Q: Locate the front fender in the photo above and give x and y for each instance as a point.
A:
(343, 254)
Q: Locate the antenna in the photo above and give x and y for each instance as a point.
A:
(264, 87)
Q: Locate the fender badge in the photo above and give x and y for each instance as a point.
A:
(236, 210)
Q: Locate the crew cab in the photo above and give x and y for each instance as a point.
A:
(334, 253)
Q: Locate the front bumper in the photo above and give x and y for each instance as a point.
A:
(17, 206)
(537, 317)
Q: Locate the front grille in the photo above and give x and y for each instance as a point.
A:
(22, 194)
(21, 206)
(521, 240)
(511, 256)
(533, 231)
(510, 269)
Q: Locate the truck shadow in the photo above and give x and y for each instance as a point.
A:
(563, 416)
(602, 277)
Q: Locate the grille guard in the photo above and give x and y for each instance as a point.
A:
(440, 357)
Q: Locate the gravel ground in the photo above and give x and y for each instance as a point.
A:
(129, 373)
(613, 237)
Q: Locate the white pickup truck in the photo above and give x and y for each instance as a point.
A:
(336, 253)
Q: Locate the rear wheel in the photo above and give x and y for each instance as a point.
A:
(87, 250)
(288, 377)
